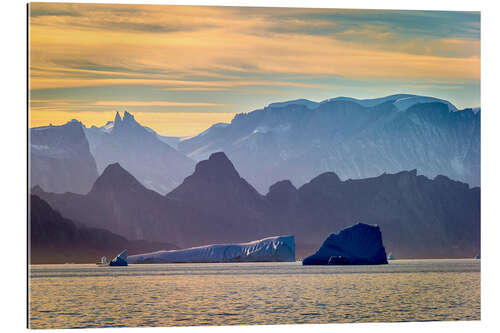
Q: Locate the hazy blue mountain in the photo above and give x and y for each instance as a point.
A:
(298, 140)
(60, 159)
(305, 102)
(172, 141)
(419, 217)
(401, 101)
(140, 150)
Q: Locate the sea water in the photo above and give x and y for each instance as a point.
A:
(71, 296)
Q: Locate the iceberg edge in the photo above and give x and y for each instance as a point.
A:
(271, 249)
(360, 244)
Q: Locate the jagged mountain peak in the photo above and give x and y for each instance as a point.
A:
(282, 186)
(216, 182)
(118, 119)
(115, 177)
(112, 167)
(128, 116)
(217, 167)
(141, 151)
(282, 193)
(128, 121)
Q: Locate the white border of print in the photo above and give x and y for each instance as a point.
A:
(13, 184)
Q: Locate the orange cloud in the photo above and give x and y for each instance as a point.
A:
(220, 38)
(153, 103)
(43, 83)
(193, 49)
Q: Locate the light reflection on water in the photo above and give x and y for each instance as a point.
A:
(64, 296)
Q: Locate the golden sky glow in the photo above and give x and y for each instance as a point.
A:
(204, 64)
(171, 123)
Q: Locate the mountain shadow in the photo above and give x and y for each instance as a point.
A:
(55, 239)
(419, 217)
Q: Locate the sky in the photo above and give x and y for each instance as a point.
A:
(180, 69)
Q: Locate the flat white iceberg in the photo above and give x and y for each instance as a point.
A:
(280, 248)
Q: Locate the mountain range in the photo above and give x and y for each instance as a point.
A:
(419, 217)
(297, 167)
(300, 139)
(293, 140)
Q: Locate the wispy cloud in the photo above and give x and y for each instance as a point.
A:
(189, 52)
(197, 88)
(153, 103)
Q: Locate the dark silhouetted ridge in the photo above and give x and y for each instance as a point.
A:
(56, 239)
(115, 177)
(420, 217)
(217, 167)
(282, 193)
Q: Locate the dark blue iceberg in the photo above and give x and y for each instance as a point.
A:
(120, 260)
(360, 244)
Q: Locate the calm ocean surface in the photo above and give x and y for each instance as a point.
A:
(67, 296)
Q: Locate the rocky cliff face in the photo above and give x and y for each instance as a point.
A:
(354, 138)
(60, 159)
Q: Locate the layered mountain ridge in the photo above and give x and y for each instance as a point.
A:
(297, 167)
(55, 239)
(299, 139)
(151, 159)
(419, 217)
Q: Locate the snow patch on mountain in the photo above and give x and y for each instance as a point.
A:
(406, 102)
(354, 138)
(305, 102)
(401, 101)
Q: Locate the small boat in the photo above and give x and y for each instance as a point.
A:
(119, 260)
(103, 262)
